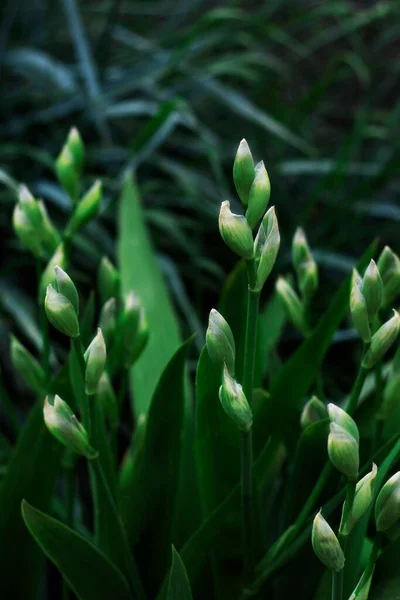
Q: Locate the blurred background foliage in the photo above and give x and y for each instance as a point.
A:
(168, 89)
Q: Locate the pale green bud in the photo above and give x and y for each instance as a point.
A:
(95, 358)
(266, 247)
(220, 342)
(326, 545)
(389, 269)
(234, 402)
(67, 173)
(48, 276)
(340, 417)
(292, 304)
(313, 411)
(236, 232)
(106, 396)
(107, 280)
(243, 172)
(50, 236)
(358, 308)
(305, 266)
(65, 286)
(108, 320)
(65, 427)
(259, 195)
(87, 208)
(76, 147)
(372, 290)
(27, 366)
(30, 206)
(26, 231)
(381, 341)
(61, 313)
(343, 451)
(134, 330)
(363, 498)
(387, 506)
(142, 337)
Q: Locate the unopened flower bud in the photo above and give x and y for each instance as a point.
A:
(363, 498)
(26, 231)
(234, 402)
(305, 266)
(358, 308)
(343, 451)
(76, 147)
(381, 341)
(61, 313)
(66, 287)
(65, 427)
(243, 172)
(48, 276)
(236, 232)
(30, 206)
(95, 357)
(27, 366)
(372, 289)
(107, 280)
(389, 269)
(266, 247)
(292, 304)
(105, 395)
(87, 208)
(67, 173)
(108, 320)
(313, 411)
(49, 234)
(220, 342)
(259, 195)
(326, 545)
(142, 337)
(341, 417)
(387, 506)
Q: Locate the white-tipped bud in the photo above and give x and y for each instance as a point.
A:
(358, 309)
(67, 173)
(30, 206)
(236, 232)
(27, 366)
(313, 411)
(95, 357)
(363, 498)
(49, 234)
(387, 506)
(48, 277)
(389, 269)
(326, 545)
(61, 313)
(343, 451)
(220, 342)
(305, 266)
(292, 303)
(108, 320)
(66, 287)
(340, 417)
(243, 172)
(382, 340)
(372, 290)
(108, 280)
(76, 147)
(234, 402)
(26, 231)
(106, 396)
(259, 195)
(87, 208)
(65, 427)
(266, 247)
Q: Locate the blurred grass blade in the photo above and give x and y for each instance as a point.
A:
(178, 584)
(140, 272)
(87, 570)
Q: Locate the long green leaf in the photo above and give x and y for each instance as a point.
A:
(87, 570)
(140, 272)
(178, 584)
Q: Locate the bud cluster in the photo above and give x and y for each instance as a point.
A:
(62, 304)
(254, 189)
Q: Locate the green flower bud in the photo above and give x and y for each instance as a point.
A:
(48, 276)
(77, 149)
(220, 342)
(259, 195)
(87, 208)
(65, 286)
(49, 234)
(26, 231)
(340, 417)
(313, 411)
(236, 232)
(65, 427)
(243, 172)
(108, 280)
(326, 545)
(389, 269)
(387, 506)
(106, 397)
(67, 173)
(266, 247)
(305, 266)
(61, 313)
(234, 402)
(358, 308)
(27, 366)
(108, 320)
(292, 304)
(372, 290)
(343, 451)
(95, 358)
(381, 341)
(142, 337)
(363, 498)
(30, 206)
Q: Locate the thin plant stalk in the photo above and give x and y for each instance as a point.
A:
(44, 326)
(337, 585)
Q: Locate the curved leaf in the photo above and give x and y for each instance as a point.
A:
(178, 584)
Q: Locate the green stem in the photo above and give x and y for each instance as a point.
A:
(336, 585)
(86, 407)
(69, 479)
(357, 387)
(350, 493)
(377, 423)
(44, 326)
(369, 570)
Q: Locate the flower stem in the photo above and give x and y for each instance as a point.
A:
(357, 387)
(336, 585)
(44, 326)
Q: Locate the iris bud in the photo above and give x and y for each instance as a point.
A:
(220, 342)
(243, 172)
(266, 247)
(326, 545)
(234, 402)
(259, 195)
(236, 232)
(381, 341)
(95, 358)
